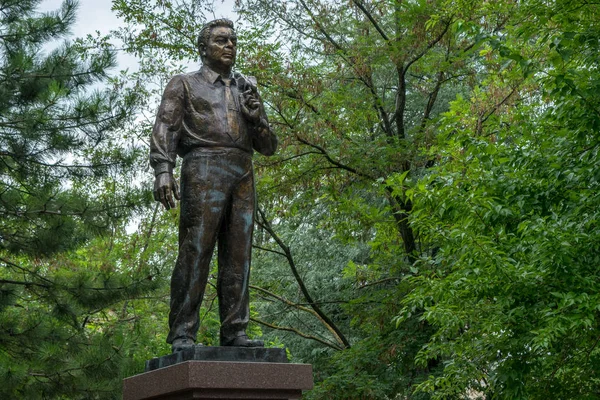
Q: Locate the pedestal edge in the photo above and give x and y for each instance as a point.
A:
(218, 375)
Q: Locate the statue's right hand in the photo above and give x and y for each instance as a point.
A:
(165, 187)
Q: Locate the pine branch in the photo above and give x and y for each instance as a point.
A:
(23, 283)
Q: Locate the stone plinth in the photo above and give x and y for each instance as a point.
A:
(224, 380)
(208, 353)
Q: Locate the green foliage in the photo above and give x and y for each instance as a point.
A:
(58, 137)
(61, 335)
(429, 221)
(67, 183)
(512, 291)
(348, 288)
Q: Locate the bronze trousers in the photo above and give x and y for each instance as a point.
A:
(217, 205)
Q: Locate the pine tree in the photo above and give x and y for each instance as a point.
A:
(65, 181)
(54, 133)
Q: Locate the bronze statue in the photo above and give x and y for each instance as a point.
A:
(212, 119)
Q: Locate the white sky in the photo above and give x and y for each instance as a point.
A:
(96, 15)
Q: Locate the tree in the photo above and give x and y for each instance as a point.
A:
(513, 290)
(67, 180)
(57, 136)
(354, 93)
(426, 146)
(357, 91)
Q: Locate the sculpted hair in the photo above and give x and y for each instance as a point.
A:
(205, 32)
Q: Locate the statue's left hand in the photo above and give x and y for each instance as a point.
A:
(252, 107)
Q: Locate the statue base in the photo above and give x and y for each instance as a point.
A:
(208, 353)
(259, 374)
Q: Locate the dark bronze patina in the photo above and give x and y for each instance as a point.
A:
(213, 119)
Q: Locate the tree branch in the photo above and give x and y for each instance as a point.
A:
(363, 77)
(23, 283)
(370, 17)
(429, 46)
(331, 160)
(302, 308)
(269, 250)
(264, 223)
(297, 332)
(320, 27)
(482, 119)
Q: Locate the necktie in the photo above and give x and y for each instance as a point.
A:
(232, 112)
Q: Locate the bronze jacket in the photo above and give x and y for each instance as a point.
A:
(193, 114)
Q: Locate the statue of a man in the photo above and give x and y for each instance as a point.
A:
(212, 119)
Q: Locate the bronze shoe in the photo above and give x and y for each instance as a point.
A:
(242, 341)
(182, 344)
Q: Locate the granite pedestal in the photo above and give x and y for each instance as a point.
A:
(261, 374)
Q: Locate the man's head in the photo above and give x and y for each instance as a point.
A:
(217, 44)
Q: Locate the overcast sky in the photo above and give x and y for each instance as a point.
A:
(96, 15)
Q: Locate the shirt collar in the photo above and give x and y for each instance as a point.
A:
(212, 76)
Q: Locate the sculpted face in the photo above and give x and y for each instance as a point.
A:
(221, 48)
